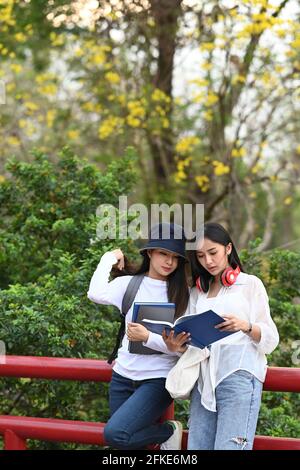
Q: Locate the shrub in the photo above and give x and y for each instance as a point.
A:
(48, 219)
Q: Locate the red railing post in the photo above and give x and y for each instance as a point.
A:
(168, 414)
(13, 442)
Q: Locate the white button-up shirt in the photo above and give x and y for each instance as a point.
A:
(246, 299)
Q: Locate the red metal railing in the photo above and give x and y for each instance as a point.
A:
(17, 429)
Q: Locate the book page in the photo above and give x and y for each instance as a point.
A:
(158, 322)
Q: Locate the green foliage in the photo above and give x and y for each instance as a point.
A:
(279, 415)
(47, 210)
(48, 217)
(280, 272)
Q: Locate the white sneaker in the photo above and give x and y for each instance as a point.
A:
(174, 442)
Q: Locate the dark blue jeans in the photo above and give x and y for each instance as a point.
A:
(135, 408)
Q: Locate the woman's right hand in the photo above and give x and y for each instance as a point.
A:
(120, 257)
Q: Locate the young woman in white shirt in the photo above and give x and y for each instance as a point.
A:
(225, 401)
(137, 396)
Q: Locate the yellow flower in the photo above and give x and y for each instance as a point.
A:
(132, 121)
(281, 33)
(49, 89)
(30, 106)
(288, 200)
(109, 126)
(112, 77)
(17, 68)
(79, 52)
(181, 165)
(186, 144)
(159, 95)
(6, 14)
(206, 66)
(298, 149)
(233, 12)
(211, 99)
(238, 79)
(256, 168)
(199, 98)
(44, 77)
(180, 176)
(220, 169)
(57, 39)
(10, 87)
(208, 116)
(30, 130)
(200, 82)
(4, 51)
(151, 22)
(241, 152)
(97, 58)
(51, 113)
(296, 43)
(20, 37)
(136, 109)
(207, 46)
(122, 99)
(14, 141)
(22, 123)
(73, 134)
(29, 29)
(203, 182)
(2, 179)
(88, 106)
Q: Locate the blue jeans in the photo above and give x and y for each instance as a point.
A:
(233, 426)
(135, 408)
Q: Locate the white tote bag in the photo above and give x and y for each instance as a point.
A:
(183, 376)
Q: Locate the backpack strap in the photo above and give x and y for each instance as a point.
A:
(128, 299)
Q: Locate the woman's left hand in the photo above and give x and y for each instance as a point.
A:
(233, 323)
(137, 332)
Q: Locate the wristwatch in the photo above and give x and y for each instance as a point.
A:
(249, 329)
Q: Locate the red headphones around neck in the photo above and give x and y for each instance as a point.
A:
(227, 278)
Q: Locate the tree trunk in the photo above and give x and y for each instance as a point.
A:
(166, 14)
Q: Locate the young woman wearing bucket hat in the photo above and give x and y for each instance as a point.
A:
(137, 395)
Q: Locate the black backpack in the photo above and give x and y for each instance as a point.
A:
(128, 298)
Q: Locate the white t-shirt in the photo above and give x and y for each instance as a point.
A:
(101, 291)
(248, 300)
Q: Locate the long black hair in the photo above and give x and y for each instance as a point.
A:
(216, 233)
(177, 285)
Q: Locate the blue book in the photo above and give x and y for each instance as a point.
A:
(159, 311)
(201, 327)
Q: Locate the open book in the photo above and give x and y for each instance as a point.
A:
(201, 327)
(159, 311)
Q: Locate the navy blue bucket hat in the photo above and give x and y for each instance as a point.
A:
(169, 237)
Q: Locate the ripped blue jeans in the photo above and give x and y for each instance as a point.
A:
(233, 426)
